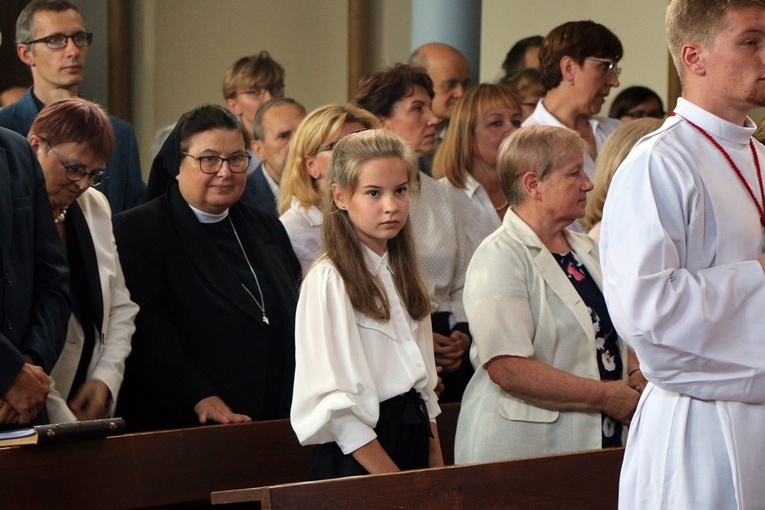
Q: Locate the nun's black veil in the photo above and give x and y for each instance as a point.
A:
(167, 163)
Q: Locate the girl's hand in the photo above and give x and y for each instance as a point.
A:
(215, 410)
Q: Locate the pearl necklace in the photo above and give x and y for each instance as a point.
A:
(61, 216)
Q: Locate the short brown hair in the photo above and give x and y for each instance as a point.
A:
(697, 21)
(259, 69)
(578, 40)
(378, 93)
(537, 149)
(75, 120)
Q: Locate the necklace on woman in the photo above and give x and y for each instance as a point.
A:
(564, 243)
(257, 282)
(760, 208)
(62, 215)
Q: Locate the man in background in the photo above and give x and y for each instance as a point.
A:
(248, 83)
(51, 39)
(273, 127)
(450, 72)
(523, 55)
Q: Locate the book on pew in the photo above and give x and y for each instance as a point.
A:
(63, 432)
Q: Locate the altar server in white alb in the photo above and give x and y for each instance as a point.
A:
(684, 271)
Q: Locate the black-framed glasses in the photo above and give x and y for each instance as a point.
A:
(59, 41)
(276, 90)
(331, 145)
(75, 172)
(210, 164)
(607, 66)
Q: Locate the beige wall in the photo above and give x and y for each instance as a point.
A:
(639, 26)
(182, 48)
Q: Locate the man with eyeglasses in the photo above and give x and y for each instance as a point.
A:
(34, 290)
(51, 39)
(248, 83)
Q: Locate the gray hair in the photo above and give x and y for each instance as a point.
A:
(537, 149)
(25, 30)
(258, 133)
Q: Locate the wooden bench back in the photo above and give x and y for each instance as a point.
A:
(161, 468)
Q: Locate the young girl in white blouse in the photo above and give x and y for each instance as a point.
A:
(365, 371)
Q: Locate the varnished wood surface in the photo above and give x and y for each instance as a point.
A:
(572, 481)
(155, 469)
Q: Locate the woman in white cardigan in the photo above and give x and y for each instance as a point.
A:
(73, 139)
(552, 375)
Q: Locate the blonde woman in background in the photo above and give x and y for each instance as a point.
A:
(467, 158)
(616, 148)
(306, 169)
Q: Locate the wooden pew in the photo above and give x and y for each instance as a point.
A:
(175, 467)
(579, 480)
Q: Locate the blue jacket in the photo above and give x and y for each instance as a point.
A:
(258, 193)
(34, 291)
(124, 188)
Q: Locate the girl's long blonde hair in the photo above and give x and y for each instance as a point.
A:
(342, 247)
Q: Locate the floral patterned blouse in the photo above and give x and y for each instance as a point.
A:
(608, 357)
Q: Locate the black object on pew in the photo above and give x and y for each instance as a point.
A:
(64, 432)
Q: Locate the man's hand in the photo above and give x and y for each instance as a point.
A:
(27, 392)
(91, 401)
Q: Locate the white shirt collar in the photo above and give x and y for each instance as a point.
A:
(542, 116)
(374, 261)
(471, 184)
(715, 125)
(271, 183)
(203, 217)
(313, 214)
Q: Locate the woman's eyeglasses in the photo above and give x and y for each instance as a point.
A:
(237, 163)
(75, 172)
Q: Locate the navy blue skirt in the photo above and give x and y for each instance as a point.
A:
(403, 430)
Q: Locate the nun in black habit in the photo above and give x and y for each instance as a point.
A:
(216, 283)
